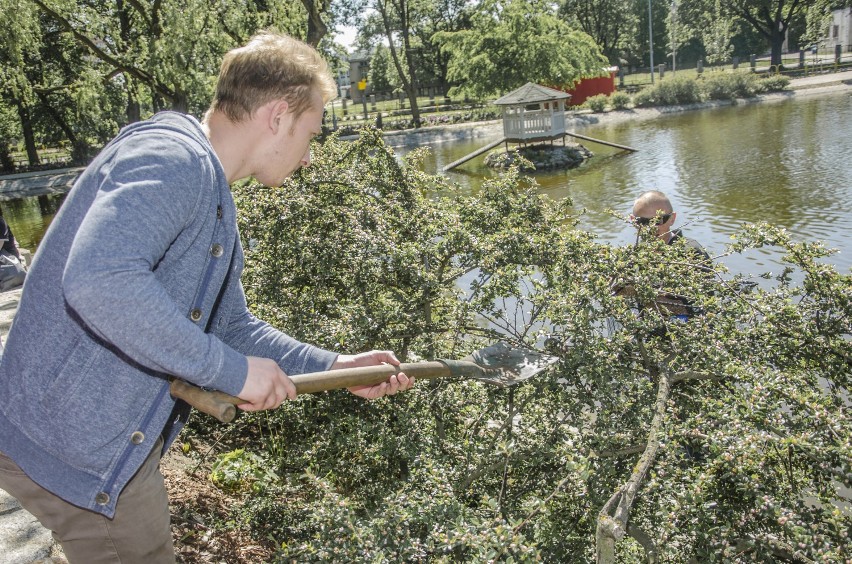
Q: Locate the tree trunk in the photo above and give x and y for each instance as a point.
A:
(613, 519)
(413, 83)
(79, 146)
(180, 103)
(777, 41)
(29, 135)
(6, 162)
(409, 83)
(133, 110)
(316, 27)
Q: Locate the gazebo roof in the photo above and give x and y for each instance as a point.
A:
(530, 93)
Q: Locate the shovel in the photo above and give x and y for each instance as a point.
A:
(498, 364)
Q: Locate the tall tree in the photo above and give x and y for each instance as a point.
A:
(397, 18)
(716, 34)
(518, 41)
(382, 77)
(772, 18)
(611, 23)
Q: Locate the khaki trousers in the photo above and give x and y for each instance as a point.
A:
(140, 532)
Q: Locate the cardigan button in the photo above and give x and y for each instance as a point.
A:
(137, 437)
(217, 250)
(195, 314)
(102, 498)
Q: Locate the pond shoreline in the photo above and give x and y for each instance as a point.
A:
(818, 85)
(22, 185)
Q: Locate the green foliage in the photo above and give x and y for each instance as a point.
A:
(383, 76)
(738, 413)
(596, 103)
(312, 243)
(239, 470)
(710, 86)
(77, 71)
(514, 42)
(612, 24)
(422, 520)
(619, 100)
(774, 83)
(669, 92)
(730, 85)
(716, 32)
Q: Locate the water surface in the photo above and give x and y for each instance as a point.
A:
(786, 162)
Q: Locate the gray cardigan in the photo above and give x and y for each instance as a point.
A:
(137, 278)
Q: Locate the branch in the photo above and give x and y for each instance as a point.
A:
(106, 57)
(613, 524)
(635, 449)
(643, 539)
(140, 9)
(692, 375)
(778, 549)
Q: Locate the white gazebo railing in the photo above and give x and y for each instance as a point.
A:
(523, 124)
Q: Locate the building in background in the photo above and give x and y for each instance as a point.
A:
(359, 68)
(839, 30)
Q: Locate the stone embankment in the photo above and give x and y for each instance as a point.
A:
(24, 541)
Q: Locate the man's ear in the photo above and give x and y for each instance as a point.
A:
(672, 219)
(277, 112)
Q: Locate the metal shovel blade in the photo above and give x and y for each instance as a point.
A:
(503, 365)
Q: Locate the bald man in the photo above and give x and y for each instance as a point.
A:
(654, 209)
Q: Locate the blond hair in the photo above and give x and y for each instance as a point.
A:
(271, 66)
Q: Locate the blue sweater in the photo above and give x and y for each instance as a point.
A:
(137, 278)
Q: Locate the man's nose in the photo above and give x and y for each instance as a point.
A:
(306, 158)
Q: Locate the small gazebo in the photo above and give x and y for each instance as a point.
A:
(533, 113)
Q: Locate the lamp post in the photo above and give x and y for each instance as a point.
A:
(651, 39)
(674, 23)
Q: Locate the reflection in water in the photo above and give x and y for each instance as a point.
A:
(29, 218)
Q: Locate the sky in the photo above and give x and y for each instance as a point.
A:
(346, 36)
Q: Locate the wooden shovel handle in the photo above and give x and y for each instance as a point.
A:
(222, 406)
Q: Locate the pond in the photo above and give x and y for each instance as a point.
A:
(786, 162)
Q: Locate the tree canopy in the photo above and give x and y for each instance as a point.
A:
(512, 42)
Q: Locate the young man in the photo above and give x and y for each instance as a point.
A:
(138, 280)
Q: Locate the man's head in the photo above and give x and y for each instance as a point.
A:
(271, 67)
(268, 107)
(653, 207)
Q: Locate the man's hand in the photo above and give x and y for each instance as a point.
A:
(396, 383)
(266, 385)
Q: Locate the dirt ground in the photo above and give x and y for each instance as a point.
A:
(201, 513)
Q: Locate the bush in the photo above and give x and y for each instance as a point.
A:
(671, 92)
(739, 412)
(774, 83)
(596, 103)
(619, 100)
(730, 85)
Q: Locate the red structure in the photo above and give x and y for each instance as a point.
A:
(588, 87)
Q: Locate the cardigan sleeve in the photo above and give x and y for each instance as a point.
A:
(253, 337)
